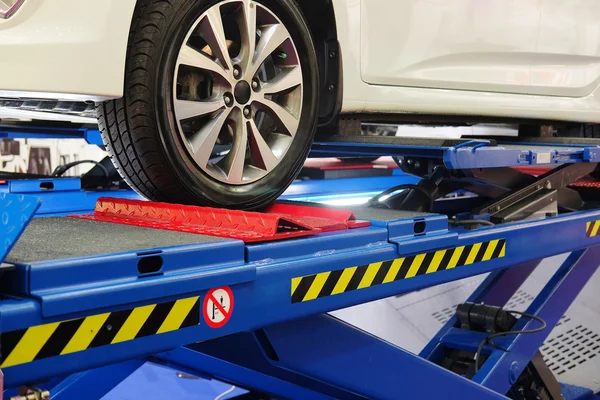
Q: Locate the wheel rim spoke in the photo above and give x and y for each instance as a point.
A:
(236, 159)
(193, 58)
(249, 103)
(262, 154)
(284, 119)
(215, 36)
(287, 79)
(203, 142)
(247, 25)
(186, 109)
(272, 37)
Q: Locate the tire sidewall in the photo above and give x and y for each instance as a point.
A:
(205, 188)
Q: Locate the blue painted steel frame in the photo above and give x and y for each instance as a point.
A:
(94, 383)
(334, 352)
(15, 213)
(196, 363)
(260, 277)
(501, 369)
(470, 155)
(62, 196)
(257, 286)
(90, 135)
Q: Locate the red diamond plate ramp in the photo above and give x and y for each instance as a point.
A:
(243, 225)
(327, 219)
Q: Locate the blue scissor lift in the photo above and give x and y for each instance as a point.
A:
(84, 304)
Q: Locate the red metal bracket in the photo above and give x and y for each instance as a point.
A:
(281, 222)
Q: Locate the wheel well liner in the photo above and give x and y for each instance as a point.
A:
(320, 17)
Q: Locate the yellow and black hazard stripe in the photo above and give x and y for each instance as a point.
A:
(66, 337)
(592, 228)
(330, 283)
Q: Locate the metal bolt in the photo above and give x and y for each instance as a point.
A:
(332, 54)
(417, 164)
(109, 327)
(498, 208)
(254, 84)
(247, 112)
(227, 99)
(331, 88)
(236, 72)
(410, 161)
(548, 185)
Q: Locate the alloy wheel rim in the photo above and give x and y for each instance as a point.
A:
(237, 95)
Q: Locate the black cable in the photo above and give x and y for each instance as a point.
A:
(61, 169)
(471, 222)
(375, 200)
(490, 337)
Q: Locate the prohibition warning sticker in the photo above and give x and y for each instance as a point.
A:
(218, 306)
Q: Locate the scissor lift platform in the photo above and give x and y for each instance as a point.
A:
(85, 302)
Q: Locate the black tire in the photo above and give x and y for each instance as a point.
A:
(138, 129)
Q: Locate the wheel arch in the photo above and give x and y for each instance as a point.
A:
(320, 17)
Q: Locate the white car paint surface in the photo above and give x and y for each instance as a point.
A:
(66, 49)
(501, 58)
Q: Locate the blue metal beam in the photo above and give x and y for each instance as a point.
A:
(94, 384)
(332, 351)
(496, 290)
(468, 155)
(62, 196)
(502, 368)
(196, 363)
(91, 135)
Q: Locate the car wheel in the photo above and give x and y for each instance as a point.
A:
(220, 102)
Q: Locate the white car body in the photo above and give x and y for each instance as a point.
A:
(500, 58)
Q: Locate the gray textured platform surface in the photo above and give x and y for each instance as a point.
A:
(62, 237)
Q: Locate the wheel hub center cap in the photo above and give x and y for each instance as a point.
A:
(242, 92)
